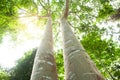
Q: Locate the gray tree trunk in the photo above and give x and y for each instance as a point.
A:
(44, 67)
(78, 65)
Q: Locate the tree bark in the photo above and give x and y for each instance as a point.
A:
(78, 65)
(44, 67)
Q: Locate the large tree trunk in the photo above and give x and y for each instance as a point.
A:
(44, 64)
(78, 65)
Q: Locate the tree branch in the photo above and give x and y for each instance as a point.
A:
(23, 9)
(35, 6)
(66, 10)
(48, 2)
(115, 16)
(49, 7)
(43, 6)
(107, 70)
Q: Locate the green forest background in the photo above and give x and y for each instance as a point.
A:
(94, 23)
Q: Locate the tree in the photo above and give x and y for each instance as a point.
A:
(103, 52)
(78, 64)
(44, 65)
(3, 74)
(23, 68)
(24, 65)
(82, 16)
(6, 15)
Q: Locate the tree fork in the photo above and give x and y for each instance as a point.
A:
(44, 67)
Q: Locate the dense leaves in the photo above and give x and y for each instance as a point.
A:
(102, 52)
(23, 68)
(7, 12)
(3, 74)
(60, 64)
(115, 69)
(83, 17)
(106, 11)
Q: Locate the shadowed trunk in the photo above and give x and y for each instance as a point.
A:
(78, 65)
(44, 64)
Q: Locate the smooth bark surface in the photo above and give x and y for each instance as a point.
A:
(78, 65)
(44, 64)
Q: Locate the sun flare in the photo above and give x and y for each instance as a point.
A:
(28, 37)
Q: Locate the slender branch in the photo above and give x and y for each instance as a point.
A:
(56, 35)
(32, 16)
(48, 2)
(71, 24)
(107, 70)
(66, 10)
(45, 17)
(23, 9)
(43, 6)
(35, 6)
(1, 24)
(49, 8)
(14, 4)
(74, 12)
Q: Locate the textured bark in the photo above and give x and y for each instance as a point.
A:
(44, 67)
(78, 65)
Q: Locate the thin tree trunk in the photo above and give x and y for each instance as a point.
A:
(44, 64)
(78, 65)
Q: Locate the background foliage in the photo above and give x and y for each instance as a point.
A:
(90, 20)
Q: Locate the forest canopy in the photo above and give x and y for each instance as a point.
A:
(94, 22)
